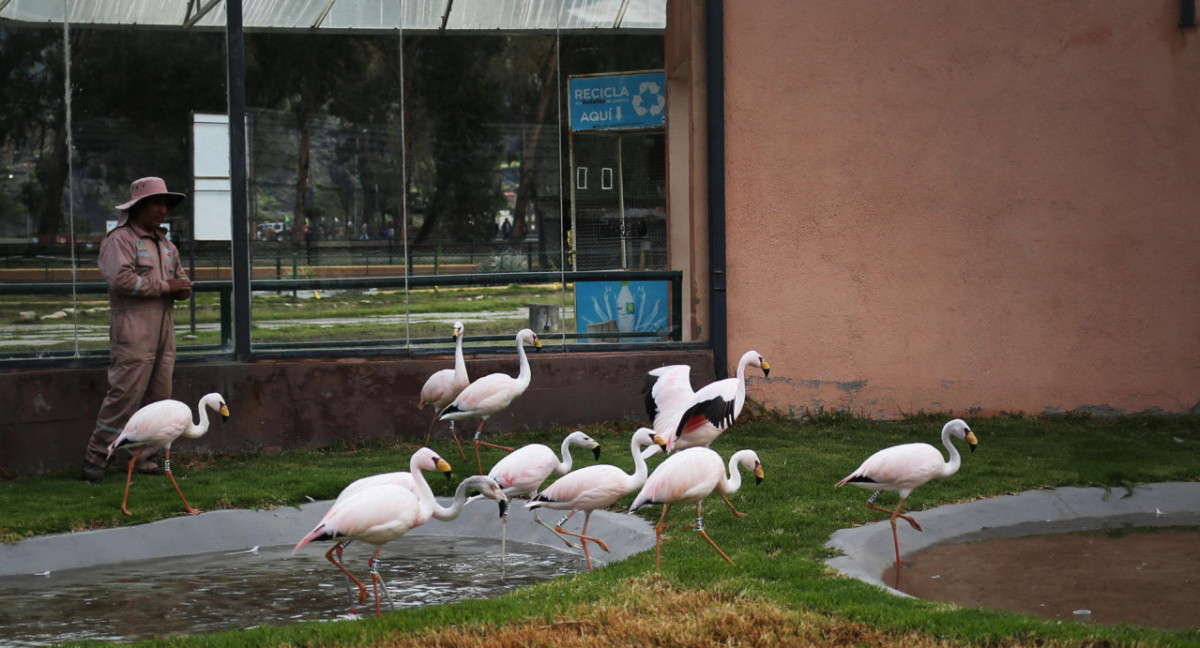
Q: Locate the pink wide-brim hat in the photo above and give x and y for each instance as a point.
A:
(146, 187)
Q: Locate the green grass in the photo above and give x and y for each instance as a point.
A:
(778, 548)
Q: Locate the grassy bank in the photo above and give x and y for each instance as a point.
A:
(777, 592)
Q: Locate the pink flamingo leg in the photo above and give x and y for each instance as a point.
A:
(167, 469)
(700, 530)
(896, 514)
(128, 479)
(730, 505)
(584, 537)
(658, 529)
(362, 589)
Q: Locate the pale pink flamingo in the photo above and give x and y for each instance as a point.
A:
(422, 459)
(379, 514)
(902, 468)
(491, 394)
(445, 385)
(523, 471)
(688, 420)
(156, 426)
(595, 487)
(687, 477)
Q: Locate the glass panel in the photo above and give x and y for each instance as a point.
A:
(422, 175)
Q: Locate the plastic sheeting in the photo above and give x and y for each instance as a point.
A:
(351, 15)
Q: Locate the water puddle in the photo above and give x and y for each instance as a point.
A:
(1140, 576)
(268, 586)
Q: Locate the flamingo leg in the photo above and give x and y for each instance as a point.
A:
(730, 505)
(456, 441)
(658, 529)
(376, 581)
(362, 589)
(337, 549)
(128, 479)
(551, 529)
(896, 514)
(167, 469)
(700, 530)
(584, 537)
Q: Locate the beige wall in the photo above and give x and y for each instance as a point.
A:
(964, 205)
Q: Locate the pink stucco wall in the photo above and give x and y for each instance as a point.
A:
(965, 206)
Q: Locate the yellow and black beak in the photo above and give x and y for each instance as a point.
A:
(972, 441)
(658, 441)
(224, 412)
(443, 467)
(766, 367)
(758, 474)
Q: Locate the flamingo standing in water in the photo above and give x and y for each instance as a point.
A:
(904, 467)
(687, 477)
(523, 471)
(686, 419)
(445, 385)
(156, 426)
(381, 513)
(491, 394)
(595, 487)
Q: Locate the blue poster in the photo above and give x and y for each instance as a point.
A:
(618, 101)
(626, 305)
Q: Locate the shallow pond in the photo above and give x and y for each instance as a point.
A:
(266, 586)
(1141, 576)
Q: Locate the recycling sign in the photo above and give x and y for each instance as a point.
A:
(619, 101)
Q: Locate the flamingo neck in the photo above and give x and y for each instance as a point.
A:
(447, 513)
(950, 467)
(731, 483)
(524, 375)
(460, 363)
(424, 492)
(193, 431)
(567, 461)
(639, 463)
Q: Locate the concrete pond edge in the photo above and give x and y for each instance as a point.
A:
(240, 529)
(867, 550)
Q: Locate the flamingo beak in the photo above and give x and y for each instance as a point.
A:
(758, 474)
(766, 369)
(443, 467)
(224, 412)
(503, 507)
(972, 441)
(537, 344)
(658, 441)
(596, 452)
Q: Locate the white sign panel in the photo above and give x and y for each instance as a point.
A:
(212, 202)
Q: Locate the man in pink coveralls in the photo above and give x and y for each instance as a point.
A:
(144, 275)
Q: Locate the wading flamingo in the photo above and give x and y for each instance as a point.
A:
(492, 393)
(523, 471)
(379, 514)
(157, 425)
(902, 468)
(445, 385)
(687, 477)
(595, 487)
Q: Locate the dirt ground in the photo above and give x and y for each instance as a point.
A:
(1144, 577)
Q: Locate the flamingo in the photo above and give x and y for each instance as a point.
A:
(523, 471)
(904, 467)
(595, 487)
(687, 419)
(689, 476)
(381, 513)
(156, 426)
(492, 393)
(444, 386)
